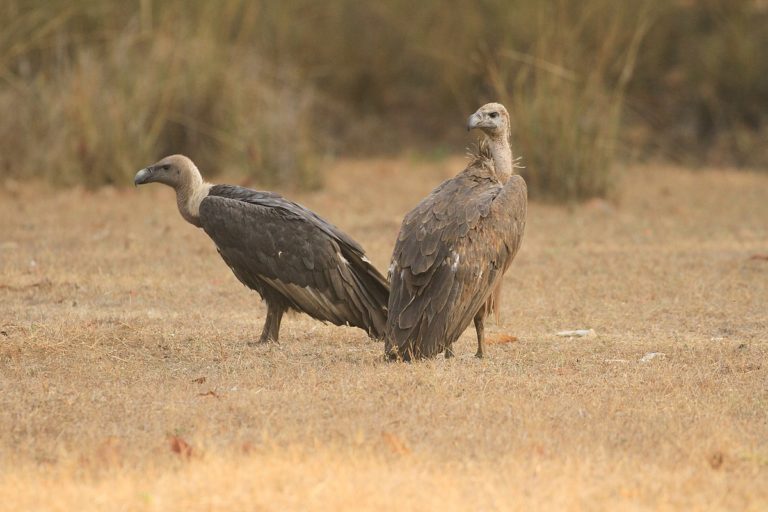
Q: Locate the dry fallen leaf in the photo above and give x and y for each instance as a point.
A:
(762, 257)
(109, 452)
(199, 380)
(502, 338)
(395, 444)
(716, 460)
(180, 446)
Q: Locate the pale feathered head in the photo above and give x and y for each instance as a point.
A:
(174, 171)
(492, 119)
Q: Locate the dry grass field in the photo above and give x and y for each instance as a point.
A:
(126, 384)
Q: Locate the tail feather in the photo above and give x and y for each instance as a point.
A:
(493, 304)
(372, 291)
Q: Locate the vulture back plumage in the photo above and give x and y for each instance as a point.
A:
(293, 258)
(450, 256)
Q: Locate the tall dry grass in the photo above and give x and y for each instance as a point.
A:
(567, 94)
(700, 94)
(93, 89)
(91, 104)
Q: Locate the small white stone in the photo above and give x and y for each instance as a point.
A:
(578, 333)
(651, 355)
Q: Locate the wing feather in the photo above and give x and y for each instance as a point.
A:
(317, 269)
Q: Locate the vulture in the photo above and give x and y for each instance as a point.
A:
(455, 246)
(293, 258)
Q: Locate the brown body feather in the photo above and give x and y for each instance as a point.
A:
(450, 257)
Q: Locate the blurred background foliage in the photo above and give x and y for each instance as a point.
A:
(92, 90)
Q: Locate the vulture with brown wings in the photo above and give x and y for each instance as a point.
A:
(454, 248)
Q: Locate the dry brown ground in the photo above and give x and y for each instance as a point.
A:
(123, 336)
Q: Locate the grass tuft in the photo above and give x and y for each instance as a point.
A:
(92, 91)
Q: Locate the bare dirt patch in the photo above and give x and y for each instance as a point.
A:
(125, 381)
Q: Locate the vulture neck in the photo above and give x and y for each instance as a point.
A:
(190, 192)
(502, 156)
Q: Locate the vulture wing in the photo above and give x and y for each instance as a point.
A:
(452, 251)
(280, 248)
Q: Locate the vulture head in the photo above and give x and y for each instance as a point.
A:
(174, 171)
(180, 173)
(492, 119)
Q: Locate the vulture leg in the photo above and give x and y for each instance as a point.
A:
(480, 328)
(449, 351)
(271, 324)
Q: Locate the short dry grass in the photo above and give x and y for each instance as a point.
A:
(126, 384)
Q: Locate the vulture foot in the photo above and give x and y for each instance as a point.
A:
(261, 341)
(395, 355)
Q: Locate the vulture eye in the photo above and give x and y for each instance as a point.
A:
(165, 167)
(494, 115)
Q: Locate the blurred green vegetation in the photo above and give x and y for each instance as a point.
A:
(91, 90)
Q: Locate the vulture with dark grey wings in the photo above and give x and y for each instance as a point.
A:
(454, 248)
(292, 257)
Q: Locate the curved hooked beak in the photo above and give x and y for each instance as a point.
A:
(474, 121)
(143, 176)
